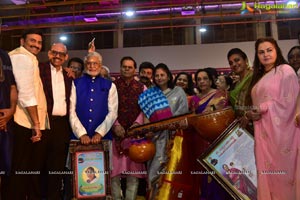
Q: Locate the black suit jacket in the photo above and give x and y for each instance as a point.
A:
(45, 74)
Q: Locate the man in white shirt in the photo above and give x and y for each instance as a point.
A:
(30, 117)
(93, 103)
(57, 86)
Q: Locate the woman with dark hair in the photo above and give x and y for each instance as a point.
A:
(91, 175)
(294, 59)
(239, 65)
(160, 102)
(169, 100)
(185, 81)
(209, 99)
(274, 91)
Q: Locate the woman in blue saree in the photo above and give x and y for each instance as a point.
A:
(160, 102)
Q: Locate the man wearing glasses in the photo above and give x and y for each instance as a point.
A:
(57, 86)
(93, 104)
(76, 66)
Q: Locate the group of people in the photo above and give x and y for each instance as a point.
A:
(44, 105)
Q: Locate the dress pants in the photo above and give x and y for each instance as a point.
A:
(54, 153)
(25, 163)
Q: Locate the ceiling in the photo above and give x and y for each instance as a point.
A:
(70, 16)
(20, 14)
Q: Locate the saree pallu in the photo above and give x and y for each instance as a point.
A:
(215, 100)
(239, 95)
(181, 177)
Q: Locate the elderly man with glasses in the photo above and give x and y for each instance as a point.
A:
(53, 151)
(93, 104)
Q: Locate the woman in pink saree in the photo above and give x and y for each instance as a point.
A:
(274, 96)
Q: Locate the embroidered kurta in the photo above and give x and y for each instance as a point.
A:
(276, 136)
(128, 113)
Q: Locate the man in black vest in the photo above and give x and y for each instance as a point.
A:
(57, 86)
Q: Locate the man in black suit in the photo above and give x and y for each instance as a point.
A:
(57, 86)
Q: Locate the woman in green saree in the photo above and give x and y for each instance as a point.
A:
(239, 96)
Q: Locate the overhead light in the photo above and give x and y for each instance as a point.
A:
(188, 10)
(202, 30)
(129, 13)
(291, 2)
(90, 19)
(19, 2)
(63, 38)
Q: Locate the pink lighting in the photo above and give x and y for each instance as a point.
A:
(90, 19)
(188, 10)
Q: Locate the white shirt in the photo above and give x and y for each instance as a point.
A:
(104, 127)
(30, 88)
(58, 92)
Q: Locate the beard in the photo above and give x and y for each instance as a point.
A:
(93, 73)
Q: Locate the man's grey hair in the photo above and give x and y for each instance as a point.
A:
(93, 54)
(65, 47)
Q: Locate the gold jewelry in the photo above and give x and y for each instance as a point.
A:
(245, 115)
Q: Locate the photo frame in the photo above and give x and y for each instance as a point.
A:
(230, 161)
(90, 174)
(91, 177)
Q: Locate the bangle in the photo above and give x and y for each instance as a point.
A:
(245, 115)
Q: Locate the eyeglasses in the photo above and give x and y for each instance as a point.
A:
(92, 63)
(60, 54)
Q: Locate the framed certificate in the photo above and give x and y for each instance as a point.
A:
(230, 160)
(90, 174)
(91, 177)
